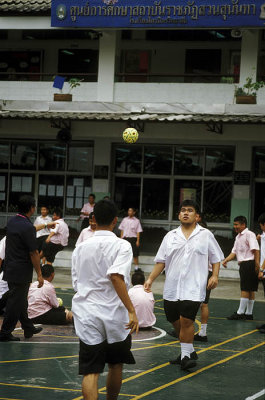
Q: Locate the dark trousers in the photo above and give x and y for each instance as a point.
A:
(85, 224)
(16, 309)
(3, 302)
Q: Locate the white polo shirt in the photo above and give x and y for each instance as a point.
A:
(84, 235)
(42, 220)
(187, 263)
(99, 314)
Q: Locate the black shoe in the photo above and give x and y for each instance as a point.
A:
(9, 338)
(187, 363)
(172, 333)
(29, 334)
(249, 317)
(260, 327)
(262, 330)
(193, 356)
(237, 316)
(199, 338)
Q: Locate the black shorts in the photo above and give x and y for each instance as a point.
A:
(55, 316)
(50, 250)
(135, 249)
(185, 308)
(40, 241)
(208, 291)
(92, 358)
(248, 278)
(85, 224)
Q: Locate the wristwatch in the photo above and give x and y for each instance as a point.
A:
(45, 224)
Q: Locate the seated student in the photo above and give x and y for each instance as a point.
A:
(4, 289)
(57, 239)
(143, 302)
(43, 305)
(87, 232)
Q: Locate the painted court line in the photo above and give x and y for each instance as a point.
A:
(256, 396)
(197, 372)
(162, 334)
(39, 387)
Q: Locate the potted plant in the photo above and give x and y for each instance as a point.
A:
(73, 83)
(248, 93)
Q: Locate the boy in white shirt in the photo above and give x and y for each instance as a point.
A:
(102, 310)
(185, 254)
(42, 234)
(3, 284)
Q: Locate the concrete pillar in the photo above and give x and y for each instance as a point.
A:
(106, 66)
(241, 201)
(249, 55)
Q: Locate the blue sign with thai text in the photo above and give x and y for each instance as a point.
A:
(158, 14)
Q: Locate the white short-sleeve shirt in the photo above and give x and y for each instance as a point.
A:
(42, 220)
(187, 263)
(99, 314)
(3, 284)
(84, 235)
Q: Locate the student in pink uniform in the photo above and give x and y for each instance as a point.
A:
(87, 232)
(57, 239)
(86, 210)
(143, 302)
(131, 228)
(246, 250)
(43, 305)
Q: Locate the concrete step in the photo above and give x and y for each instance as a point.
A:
(63, 259)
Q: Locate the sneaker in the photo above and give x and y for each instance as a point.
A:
(199, 338)
(193, 356)
(9, 338)
(237, 316)
(249, 317)
(29, 333)
(187, 363)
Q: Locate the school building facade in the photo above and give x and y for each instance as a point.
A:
(174, 85)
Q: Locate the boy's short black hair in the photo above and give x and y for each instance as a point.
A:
(261, 219)
(189, 203)
(47, 270)
(59, 212)
(138, 278)
(92, 194)
(25, 203)
(241, 219)
(104, 212)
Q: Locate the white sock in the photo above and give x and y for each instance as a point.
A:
(242, 306)
(250, 306)
(186, 349)
(136, 267)
(203, 330)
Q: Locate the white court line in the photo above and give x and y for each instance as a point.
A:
(163, 333)
(35, 342)
(256, 396)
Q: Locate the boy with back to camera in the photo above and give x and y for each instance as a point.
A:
(143, 302)
(261, 221)
(103, 312)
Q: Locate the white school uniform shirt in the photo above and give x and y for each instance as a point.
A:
(61, 231)
(84, 235)
(42, 220)
(3, 284)
(187, 263)
(262, 248)
(99, 314)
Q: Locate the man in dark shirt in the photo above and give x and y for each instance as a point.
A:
(20, 258)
